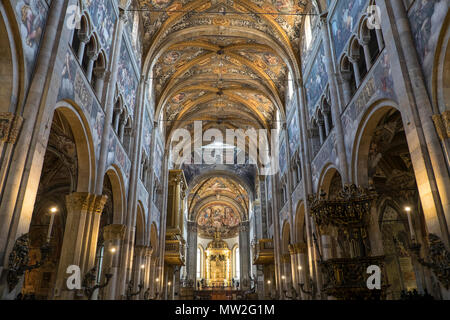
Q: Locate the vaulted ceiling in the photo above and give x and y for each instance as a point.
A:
(222, 61)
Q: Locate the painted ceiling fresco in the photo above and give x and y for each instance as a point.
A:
(221, 59)
(217, 217)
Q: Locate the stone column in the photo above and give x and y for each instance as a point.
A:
(346, 76)
(83, 41)
(354, 61)
(113, 235)
(139, 265)
(99, 74)
(80, 239)
(191, 261)
(307, 182)
(244, 251)
(334, 99)
(109, 103)
(367, 55)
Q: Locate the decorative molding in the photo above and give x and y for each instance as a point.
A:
(114, 232)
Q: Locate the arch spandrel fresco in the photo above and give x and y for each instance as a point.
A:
(218, 218)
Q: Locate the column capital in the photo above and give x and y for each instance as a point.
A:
(10, 125)
(114, 232)
(299, 247)
(442, 125)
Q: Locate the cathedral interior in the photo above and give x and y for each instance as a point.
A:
(224, 149)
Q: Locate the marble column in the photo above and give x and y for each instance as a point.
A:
(80, 239)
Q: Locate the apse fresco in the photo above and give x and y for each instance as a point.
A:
(316, 81)
(73, 87)
(31, 16)
(218, 218)
(127, 79)
(426, 18)
(104, 18)
(344, 20)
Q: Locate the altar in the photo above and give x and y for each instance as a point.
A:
(218, 263)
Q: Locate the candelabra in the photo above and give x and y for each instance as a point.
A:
(90, 282)
(130, 293)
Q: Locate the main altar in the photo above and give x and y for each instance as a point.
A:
(218, 263)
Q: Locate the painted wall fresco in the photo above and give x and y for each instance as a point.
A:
(344, 20)
(147, 134)
(32, 18)
(218, 218)
(293, 132)
(74, 88)
(127, 78)
(118, 156)
(282, 157)
(104, 18)
(316, 81)
(379, 86)
(426, 19)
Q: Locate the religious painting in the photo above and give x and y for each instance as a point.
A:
(218, 218)
(104, 19)
(127, 79)
(383, 74)
(344, 21)
(158, 160)
(284, 6)
(171, 57)
(316, 80)
(161, 4)
(271, 59)
(426, 18)
(32, 17)
(179, 97)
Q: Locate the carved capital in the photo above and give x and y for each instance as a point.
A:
(114, 232)
(442, 125)
(10, 125)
